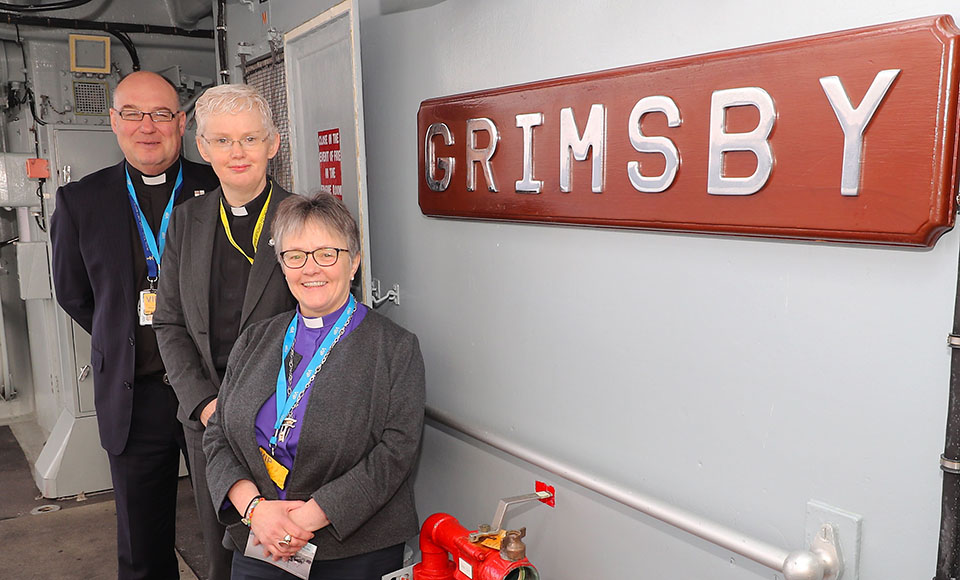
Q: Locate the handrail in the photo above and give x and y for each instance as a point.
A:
(795, 565)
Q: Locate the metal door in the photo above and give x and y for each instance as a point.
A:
(325, 106)
(77, 152)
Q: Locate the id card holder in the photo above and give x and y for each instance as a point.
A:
(146, 306)
(277, 471)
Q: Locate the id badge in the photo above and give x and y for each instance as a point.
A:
(146, 306)
(278, 473)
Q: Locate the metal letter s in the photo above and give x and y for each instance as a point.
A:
(661, 145)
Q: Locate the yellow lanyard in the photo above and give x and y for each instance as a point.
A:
(256, 229)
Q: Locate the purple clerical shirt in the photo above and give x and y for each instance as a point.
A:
(307, 342)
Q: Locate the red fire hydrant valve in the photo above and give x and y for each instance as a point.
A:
(442, 536)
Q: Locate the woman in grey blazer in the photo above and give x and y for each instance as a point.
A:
(217, 277)
(319, 417)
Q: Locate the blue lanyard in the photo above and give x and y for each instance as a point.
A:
(285, 401)
(152, 250)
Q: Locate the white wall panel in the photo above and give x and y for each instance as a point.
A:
(737, 378)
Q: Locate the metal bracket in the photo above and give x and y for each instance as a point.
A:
(494, 528)
(7, 392)
(393, 295)
(949, 465)
(825, 546)
(822, 562)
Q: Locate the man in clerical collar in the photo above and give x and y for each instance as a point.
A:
(108, 235)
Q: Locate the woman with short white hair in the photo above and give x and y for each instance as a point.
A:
(219, 274)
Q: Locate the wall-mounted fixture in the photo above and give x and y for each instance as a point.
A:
(393, 295)
(89, 53)
(488, 553)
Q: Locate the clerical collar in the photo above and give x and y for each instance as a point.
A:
(153, 180)
(252, 206)
(313, 322)
(318, 322)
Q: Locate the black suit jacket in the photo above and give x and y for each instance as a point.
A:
(182, 320)
(90, 231)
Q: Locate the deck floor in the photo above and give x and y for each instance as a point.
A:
(77, 540)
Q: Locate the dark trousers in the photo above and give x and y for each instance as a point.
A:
(370, 566)
(145, 485)
(218, 557)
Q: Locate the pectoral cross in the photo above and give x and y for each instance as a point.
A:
(285, 427)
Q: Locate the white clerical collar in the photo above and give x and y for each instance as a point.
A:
(156, 180)
(240, 211)
(312, 322)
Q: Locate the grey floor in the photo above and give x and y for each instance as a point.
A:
(72, 538)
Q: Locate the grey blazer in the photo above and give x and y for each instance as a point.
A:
(182, 318)
(360, 439)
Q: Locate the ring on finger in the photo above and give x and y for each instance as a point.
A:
(285, 540)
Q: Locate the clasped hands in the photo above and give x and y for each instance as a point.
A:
(274, 520)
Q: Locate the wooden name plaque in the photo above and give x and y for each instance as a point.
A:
(846, 137)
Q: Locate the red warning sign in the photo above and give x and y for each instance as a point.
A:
(329, 144)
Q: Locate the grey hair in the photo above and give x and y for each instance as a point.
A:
(318, 208)
(233, 98)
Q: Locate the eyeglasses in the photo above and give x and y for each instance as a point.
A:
(296, 259)
(248, 142)
(161, 116)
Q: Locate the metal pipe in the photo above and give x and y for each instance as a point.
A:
(948, 552)
(761, 552)
(23, 224)
(75, 24)
(221, 36)
(7, 32)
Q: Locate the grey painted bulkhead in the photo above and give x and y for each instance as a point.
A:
(736, 378)
(48, 395)
(48, 55)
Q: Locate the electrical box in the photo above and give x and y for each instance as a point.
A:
(16, 190)
(89, 53)
(38, 169)
(33, 270)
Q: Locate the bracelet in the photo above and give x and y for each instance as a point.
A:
(248, 513)
(250, 503)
